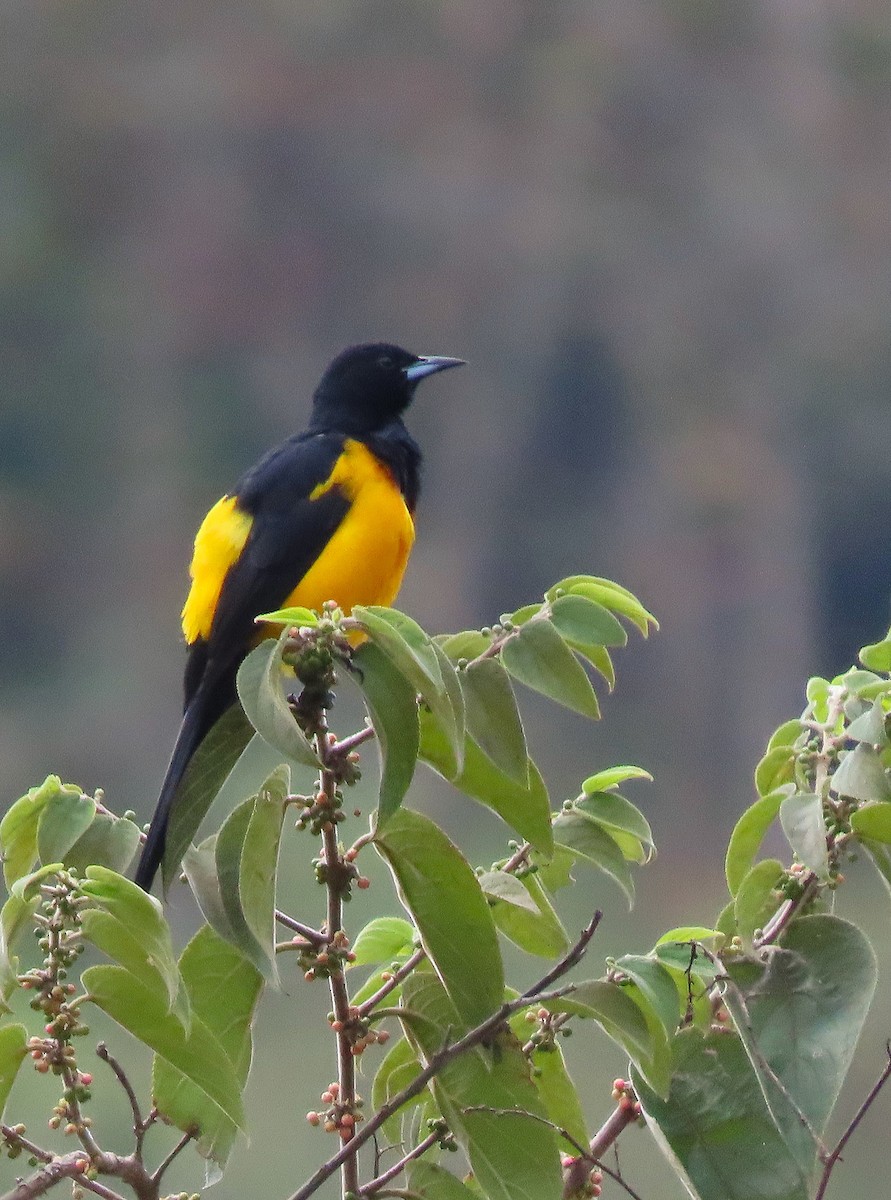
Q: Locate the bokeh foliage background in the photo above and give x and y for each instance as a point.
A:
(659, 233)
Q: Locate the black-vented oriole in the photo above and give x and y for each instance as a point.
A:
(327, 515)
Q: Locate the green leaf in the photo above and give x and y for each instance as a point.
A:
(393, 707)
(801, 1010)
(382, 940)
(880, 857)
(200, 867)
(530, 923)
(612, 777)
(861, 775)
(554, 1086)
(687, 934)
(626, 1017)
(464, 646)
(874, 822)
(611, 595)
(817, 692)
(64, 819)
(399, 1067)
(623, 821)
(259, 860)
(141, 920)
(877, 656)
(787, 734)
(245, 855)
(756, 900)
(488, 1099)
(748, 835)
(714, 1126)
(657, 984)
(199, 1056)
(427, 669)
(208, 770)
(584, 622)
(18, 829)
(801, 817)
(260, 691)
(119, 942)
(297, 615)
(13, 1048)
(525, 809)
(223, 988)
(590, 842)
(493, 720)
(555, 872)
(110, 842)
(429, 1181)
(865, 684)
(539, 657)
(776, 768)
(870, 726)
(443, 895)
(15, 919)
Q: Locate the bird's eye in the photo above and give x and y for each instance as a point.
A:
(385, 361)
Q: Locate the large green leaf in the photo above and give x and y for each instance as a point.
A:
(804, 1007)
(13, 1048)
(228, 853)
(393, 707)
(200, 867)
(443, 895)
(493, 720)
(525, 809)
(208, 770)
(15, 919)
(656, 983)
(539, 657)
(756, 898)
(715, 1127)
(877, 656)
(223, 989)
(141, 940)
(198, 1055)
(487, 1097)
(263, 700)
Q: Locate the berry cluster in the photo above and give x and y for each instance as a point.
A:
(584, 1183)
(330, 960)
(358, 1031)
(338, 1118)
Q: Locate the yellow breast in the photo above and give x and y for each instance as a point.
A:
(362, 563)
(366, 557)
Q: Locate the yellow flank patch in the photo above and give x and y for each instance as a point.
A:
(366, 556)
(218, 544)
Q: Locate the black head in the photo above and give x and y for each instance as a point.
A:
(367, 386)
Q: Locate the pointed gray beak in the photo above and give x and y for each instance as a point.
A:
(429, 364)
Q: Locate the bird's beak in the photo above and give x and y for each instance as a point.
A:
(429, 364)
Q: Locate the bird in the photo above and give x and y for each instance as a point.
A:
(326, 515)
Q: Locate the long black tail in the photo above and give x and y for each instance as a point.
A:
(195, 724)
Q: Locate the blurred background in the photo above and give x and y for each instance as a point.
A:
(658, 232)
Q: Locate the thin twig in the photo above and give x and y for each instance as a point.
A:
(835, 1155)
(177, 1149)
(393, 982)
(397, 1168)
(476, 1036)
(313, 936)
(139, 1125)
(347, 744)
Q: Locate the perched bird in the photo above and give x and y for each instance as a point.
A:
(327, 515)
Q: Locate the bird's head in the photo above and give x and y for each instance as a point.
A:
(369, 385)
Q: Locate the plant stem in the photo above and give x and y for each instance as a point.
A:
(835, 1155)
(397, 1168)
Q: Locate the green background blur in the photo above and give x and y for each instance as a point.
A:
(660, 235)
